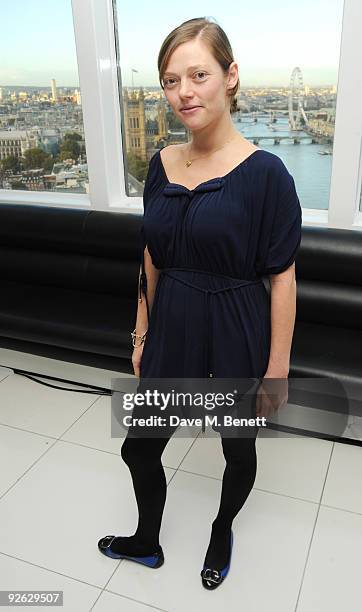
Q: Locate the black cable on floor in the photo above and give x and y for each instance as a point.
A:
(26, 374)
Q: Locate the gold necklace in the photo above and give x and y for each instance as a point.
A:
(189, 161)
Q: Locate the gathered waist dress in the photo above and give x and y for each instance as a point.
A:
(213, 245)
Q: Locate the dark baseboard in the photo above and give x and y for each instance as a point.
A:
(92, 360)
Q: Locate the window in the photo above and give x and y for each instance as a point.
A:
(42, 145)
(287, 99)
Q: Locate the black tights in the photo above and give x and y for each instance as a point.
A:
(143, 457)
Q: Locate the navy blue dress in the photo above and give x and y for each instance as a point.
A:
(211, 312)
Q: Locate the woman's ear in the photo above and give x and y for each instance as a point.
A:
(233, 75)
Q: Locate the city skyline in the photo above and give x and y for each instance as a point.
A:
(150, 88)
(311, 35)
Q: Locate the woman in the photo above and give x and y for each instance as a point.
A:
(219, 213)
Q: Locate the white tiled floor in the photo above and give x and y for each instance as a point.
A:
(63, 485)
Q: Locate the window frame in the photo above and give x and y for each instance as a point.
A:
(96, 31)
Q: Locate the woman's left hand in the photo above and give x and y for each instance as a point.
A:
(272, 394)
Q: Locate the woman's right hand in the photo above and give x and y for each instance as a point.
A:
(136, 359)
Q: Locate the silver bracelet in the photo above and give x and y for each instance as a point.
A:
(134, 336)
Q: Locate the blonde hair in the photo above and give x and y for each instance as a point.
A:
(214, 37)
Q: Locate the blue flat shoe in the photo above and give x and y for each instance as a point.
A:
(212, 578)
(154, 560)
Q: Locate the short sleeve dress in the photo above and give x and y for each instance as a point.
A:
(213, 244)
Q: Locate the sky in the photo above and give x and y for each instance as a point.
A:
(268, 37)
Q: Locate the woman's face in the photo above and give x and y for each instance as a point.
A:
(193, 77)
